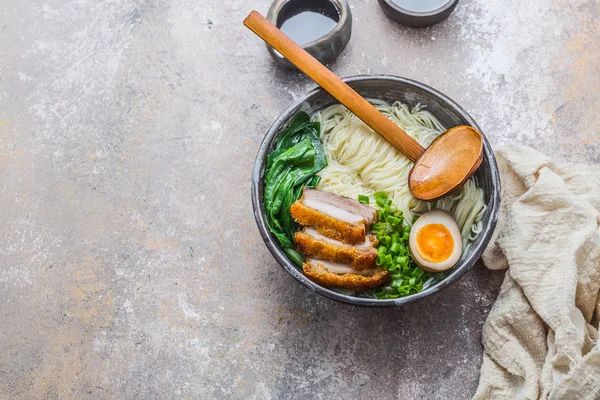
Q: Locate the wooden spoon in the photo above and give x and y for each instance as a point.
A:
(443, 168)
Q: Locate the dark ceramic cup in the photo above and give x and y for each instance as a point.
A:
(328, 47)
(389, 88)
(417, 19)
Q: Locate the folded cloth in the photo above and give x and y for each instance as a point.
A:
(541, 336)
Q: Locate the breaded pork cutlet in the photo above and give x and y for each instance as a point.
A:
(346, 203)
(333, 274)
(334, 216)
(360, 255)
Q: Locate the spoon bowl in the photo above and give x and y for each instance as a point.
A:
(435, 173)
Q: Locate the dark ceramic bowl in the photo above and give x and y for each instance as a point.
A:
(389, 88)
(414, 18)
(328, 47)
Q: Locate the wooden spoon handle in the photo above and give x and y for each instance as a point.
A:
(334, 85)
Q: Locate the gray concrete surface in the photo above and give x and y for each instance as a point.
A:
(130, 264)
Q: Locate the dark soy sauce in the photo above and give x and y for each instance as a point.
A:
(421, 5)
(307, 20)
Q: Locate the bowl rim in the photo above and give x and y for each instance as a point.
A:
(277, 252)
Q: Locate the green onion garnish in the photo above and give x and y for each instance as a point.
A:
(393, 253)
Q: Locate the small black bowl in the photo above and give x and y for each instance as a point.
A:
(414, 18)
(326, 48)
(389, 88)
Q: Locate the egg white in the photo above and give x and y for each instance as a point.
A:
(436, 217)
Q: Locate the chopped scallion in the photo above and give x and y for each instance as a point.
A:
(363, 199)
(393, 253)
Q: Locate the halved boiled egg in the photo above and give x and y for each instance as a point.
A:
(435, 241)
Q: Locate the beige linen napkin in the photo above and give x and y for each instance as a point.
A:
(541, 336)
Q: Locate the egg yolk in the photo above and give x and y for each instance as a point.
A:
(435, 243)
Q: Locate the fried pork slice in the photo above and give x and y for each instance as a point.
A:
(360, 256)
(333, 274)
(334, 216)
(348, 204)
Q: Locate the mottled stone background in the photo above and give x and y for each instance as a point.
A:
(130, 264)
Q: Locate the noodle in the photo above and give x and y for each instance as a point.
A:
(362, 162)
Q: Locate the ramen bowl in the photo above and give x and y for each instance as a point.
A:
(388, 88)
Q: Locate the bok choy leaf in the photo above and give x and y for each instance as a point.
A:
(294, 164)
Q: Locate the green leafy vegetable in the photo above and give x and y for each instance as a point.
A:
(294, 164)
(393, 253)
